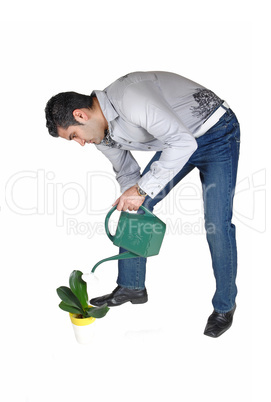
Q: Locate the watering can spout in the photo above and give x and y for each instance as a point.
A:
(122, 256)
(140, 234)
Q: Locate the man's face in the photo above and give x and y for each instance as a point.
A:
(82, 134)
(91, 130)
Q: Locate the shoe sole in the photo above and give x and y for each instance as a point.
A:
(139, 301)
(135, 301)
(142, 300)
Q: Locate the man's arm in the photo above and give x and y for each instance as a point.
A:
(124, 165)
(127, 173)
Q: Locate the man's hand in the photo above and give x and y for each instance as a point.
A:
(130, 200)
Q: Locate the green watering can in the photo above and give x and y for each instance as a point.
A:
(140, 234)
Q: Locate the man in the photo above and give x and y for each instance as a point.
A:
(188, 126)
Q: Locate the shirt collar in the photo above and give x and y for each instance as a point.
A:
(106, 106)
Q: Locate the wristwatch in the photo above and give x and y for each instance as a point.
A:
(140, 191)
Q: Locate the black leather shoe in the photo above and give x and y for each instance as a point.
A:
(121, 295)
(218, 323)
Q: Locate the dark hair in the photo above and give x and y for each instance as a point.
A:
(59, 109)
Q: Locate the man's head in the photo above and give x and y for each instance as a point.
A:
(76, 117)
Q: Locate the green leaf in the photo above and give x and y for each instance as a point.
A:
(98, 312)
(79, 287)
(69, 298)
(70, 309)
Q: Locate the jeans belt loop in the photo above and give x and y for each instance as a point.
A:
(213, 119)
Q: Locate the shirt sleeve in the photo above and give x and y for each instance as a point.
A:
(145, 105)
(124, 165)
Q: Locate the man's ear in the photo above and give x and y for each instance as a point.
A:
(80, 115)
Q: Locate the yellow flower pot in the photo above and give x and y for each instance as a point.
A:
(83, 331)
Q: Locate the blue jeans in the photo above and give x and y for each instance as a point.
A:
(217, 159)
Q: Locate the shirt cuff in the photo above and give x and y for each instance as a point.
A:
(152, 185)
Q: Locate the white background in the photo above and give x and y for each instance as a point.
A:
(156, 350)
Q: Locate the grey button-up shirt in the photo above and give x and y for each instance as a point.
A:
(153, 111)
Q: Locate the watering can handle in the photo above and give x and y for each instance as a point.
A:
(111, 237)
(106, 223)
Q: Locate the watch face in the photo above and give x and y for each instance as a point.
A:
(141, 191)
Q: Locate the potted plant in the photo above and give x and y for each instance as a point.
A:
(75, 302)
